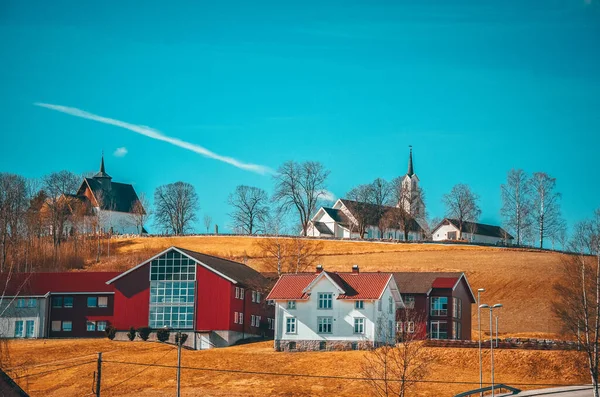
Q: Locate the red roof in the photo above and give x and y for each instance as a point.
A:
(444, 282)
(41, 283)
(357, 286)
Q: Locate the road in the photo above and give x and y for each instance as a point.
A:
(572, 391)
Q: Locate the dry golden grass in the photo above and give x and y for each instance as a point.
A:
(519, 279)
(512, 367)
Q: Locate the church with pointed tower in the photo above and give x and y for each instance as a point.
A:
(114, 205)
(342, 219)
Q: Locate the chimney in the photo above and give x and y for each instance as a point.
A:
(355, 269)
(319, 268)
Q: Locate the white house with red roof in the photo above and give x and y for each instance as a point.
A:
(334, 311)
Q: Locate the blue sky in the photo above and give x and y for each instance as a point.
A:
(476, 87)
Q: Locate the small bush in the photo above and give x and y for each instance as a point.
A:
(144, 333)
(183, 339)
(110, 332)
(131, 334)
(162, 334)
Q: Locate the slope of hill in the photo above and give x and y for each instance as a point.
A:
(519, 279)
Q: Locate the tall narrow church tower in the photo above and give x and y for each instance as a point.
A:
(411, 200)
(103, 177)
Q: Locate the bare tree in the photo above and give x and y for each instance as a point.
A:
(300, 186)
(546, 206)
(577, 303)
(176, 205)
(250, 208)
(304, 254)
(409, 200)
(207, 222)
(13, 205)
(361, 210)
(141, 212)
(394, 368)
(289, 254)
(516, 203)
(380, 194)
(461, 204)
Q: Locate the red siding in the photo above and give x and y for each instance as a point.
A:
(132, 299)
(213, 301)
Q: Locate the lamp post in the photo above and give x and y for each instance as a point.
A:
(479, 291)
(178, 340)
(485, 306)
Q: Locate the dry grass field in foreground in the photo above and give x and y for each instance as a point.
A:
(451, 365)
(519, 279)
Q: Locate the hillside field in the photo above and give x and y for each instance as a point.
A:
(512, 367)
(519, 279)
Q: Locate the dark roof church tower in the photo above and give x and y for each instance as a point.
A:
(102, 177)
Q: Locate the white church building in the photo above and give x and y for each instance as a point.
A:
(341, 220)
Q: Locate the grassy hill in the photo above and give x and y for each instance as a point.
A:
(519, 279)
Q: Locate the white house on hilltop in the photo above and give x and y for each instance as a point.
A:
(334, 311)
(449, 229)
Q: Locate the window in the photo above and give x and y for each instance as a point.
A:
(67, 326)
(354, 346)
(290, 325)
(102, 301)
(237, 292)
(21, 302)
(257, 297)
(391, 332)
(252, 320)
(235, 317)
(31, 302)
(359, 305)
(456, 308)
(324, 325)
(18, 329)
(390, 305)
(92, 301)
(269, 321)
(456, 329)
(359, 325)
(325, 299)
(399, 327)
(241, 318)
(30, 328)
(57, 301)
(409, 301)
(91, 325)
(253, 296)
(379, 305)
(439, 306)
(56, 326)
(292, 346)
(68, 301)
(101, 325)
(258, 321)
(322, 345)
(242, 294)
(410, 327)
(291, 305)
(439, 330)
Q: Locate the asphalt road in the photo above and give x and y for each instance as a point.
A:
(572, 391)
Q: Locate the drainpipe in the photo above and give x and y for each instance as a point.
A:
(244, 315)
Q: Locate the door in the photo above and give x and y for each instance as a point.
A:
(451, 235)
(30, 329)
(439, 330)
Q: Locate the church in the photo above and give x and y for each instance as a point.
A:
(112, 207)
(342, 219)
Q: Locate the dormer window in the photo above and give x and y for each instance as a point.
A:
(325, 300)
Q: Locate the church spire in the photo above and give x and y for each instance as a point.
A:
(411, 171)
(102, 164)
(102, 173)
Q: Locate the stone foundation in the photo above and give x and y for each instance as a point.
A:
(319, 345)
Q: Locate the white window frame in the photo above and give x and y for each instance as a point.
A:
(253, 296)
(257, 297)
(241, 317)
(322, 322)
(71, 326)
(31, 302)
(359, 305)
(242, 294)
(21, 302)
(325, 299)
(252, 317)
(359, 323)
(101, 325)
(19, 325)
(410, 327)
(291, 305)
(92, 324)
(438, 312)
(291, 325)
(237, 292)
(390, 305)
(32, 322)
(235, 317)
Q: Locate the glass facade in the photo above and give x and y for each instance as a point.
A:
(172, 284)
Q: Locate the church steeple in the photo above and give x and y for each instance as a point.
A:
(102, 173)
(411, 171)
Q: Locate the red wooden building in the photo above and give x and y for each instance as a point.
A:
(438, 304)
(215, 300)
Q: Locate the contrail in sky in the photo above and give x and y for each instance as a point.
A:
(155, 134)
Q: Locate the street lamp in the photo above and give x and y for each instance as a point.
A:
(479, 291)
(485, 306)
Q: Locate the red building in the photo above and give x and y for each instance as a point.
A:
(215, 300)
(438, 304)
